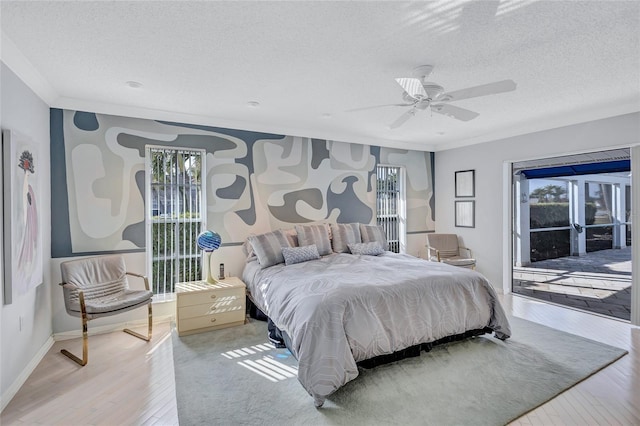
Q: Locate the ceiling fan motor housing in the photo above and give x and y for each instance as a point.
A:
(434, 92)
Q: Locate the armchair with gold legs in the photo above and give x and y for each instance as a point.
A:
(97, 287)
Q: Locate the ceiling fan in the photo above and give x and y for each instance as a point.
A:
(421, 94)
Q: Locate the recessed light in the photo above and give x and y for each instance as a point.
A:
(326, 115)
(439, 133)
(133, 84)
(253, 104)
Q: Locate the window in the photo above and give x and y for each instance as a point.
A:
(390, 201)
(175, 216)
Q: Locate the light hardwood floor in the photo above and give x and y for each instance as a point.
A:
(130, 382)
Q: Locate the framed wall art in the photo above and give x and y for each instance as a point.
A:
(465, 183)
(22, 233)
(465, 214)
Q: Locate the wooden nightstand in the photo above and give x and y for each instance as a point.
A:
(202, 306)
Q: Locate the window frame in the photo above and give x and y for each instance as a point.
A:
(168, 288)
(400, 207)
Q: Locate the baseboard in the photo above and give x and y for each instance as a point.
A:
(22, 378)
(74, 334)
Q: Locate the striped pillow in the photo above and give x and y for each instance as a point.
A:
(315, 234)
(371, 233)
(293, 255)
(343, 235)
(268, 247)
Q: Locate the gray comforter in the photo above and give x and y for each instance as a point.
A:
(343, 308)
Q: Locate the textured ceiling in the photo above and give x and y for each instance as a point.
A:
(309, 63)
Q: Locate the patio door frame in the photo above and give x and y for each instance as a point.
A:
(508, 229)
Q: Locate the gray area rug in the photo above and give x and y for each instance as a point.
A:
(479, 381)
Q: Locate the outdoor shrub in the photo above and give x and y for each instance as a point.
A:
(547, 215)
(549, 245)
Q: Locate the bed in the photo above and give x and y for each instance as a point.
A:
(339, 309)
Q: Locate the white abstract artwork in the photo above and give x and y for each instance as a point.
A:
(22, 225)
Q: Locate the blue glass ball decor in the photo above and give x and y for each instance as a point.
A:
(209, 240)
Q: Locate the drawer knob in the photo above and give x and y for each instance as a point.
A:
(213, 320)
(213, 296)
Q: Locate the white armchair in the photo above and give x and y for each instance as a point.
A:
(445, 248)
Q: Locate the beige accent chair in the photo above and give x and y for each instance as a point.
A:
(445, 248)
(97, 287)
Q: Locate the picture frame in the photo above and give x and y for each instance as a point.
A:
(465, 212)
(465, 183)
(22, 232)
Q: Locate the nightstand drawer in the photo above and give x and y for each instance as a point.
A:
(221, 305)
(213, 321)
(211, 296)
(203, 306)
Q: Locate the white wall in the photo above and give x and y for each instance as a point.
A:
(488, 158)
(24, 112)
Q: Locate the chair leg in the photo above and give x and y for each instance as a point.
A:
(85, 337)
(138, 335)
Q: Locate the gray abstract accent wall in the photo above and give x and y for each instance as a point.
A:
(255, 181)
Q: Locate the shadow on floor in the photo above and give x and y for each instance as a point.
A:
(598, 282)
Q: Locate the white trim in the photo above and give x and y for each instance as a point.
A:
(507, 228)
(24, 375)
(24, 69)
(635, 235)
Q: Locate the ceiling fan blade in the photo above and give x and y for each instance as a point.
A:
(403, 119)
(377, 106)
(483, 90)
(454, 112)
(413, 87)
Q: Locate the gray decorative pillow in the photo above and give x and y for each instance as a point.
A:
(248, 251)
(293, 255)
(370, 249)
(292, 236)
(372, 233)
(315, 234)
(344, 234)
(268, 247)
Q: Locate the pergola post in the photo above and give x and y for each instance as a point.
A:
(577, 217)
(619, 216)
(522, 225)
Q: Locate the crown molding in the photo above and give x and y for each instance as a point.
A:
(24, 69)
(131, 111)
